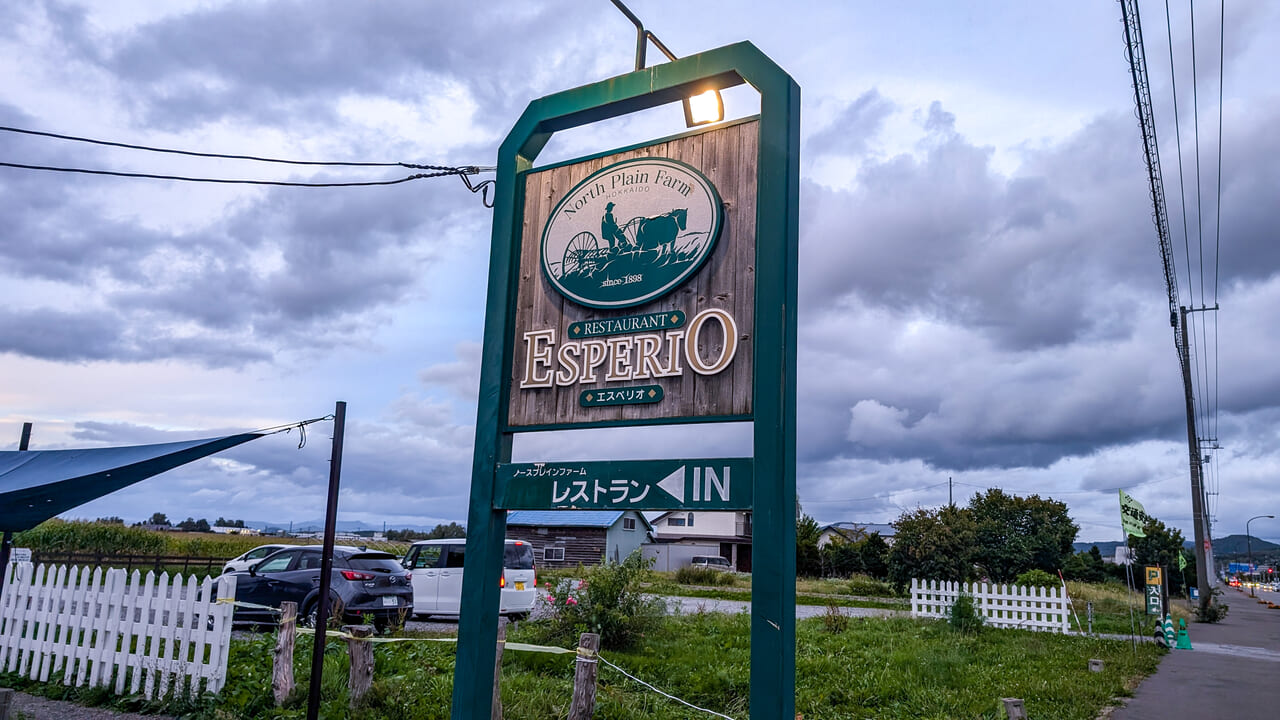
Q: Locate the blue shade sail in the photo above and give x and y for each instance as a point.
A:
(36, 485)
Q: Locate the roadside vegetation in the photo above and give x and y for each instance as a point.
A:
(61, 537)
(888, 668)
(891, 669)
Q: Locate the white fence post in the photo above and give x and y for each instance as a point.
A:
(1010, 606)
(68, 620)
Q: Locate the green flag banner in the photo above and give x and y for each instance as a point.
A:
(1182, 562)
(1132, 515)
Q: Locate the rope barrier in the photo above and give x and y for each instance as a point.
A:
(583, 655)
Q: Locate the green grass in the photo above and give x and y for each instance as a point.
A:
(673, 589)
(1112, 604)
(890, 669)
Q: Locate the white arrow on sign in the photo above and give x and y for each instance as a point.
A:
(674, 484)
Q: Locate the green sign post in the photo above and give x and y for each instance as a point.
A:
(702, 484)
(645, 286)
(1154, 576)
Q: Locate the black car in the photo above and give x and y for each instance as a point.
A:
(364, 583)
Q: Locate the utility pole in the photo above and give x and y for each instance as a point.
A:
(950, 496)
(1197, 484)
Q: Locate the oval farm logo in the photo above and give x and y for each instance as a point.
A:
(631, 232)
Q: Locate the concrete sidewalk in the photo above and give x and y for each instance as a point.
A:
(1231, 671)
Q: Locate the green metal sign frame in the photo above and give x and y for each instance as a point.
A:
(773, 496)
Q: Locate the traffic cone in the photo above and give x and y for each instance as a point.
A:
(1184, 640)
(1168, 631)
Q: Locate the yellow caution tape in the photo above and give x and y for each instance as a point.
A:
(523, 647)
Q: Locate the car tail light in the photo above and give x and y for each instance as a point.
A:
(353, 575)
(502, 581)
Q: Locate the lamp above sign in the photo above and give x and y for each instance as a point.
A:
(631, 232)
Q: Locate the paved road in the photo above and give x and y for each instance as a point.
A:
(1233, 669)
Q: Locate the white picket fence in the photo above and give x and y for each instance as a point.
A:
(1012, 606)
(116, 630)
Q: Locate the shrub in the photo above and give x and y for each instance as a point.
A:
(704, 576)
(867, 586)
(607, 601)
(1036, 578)
(964, 615)
(1214, 611)
(833, 620)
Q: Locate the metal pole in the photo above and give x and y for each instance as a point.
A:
(1249, 540)
(641, 45)
(1197, 487)
(6, 543)
(326, 562)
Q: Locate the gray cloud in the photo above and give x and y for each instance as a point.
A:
(852, 129)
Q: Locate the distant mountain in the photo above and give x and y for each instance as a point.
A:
(1106, 548)
(344, 526)
(1229, 545)
(1239, 545)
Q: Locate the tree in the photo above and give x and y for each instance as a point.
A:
(808, 561)
(452, 530)
(439, 532)
(1013, 535)
(1086, 566)
(932, 545)
(840, 558)
(1162, 546)
(874, 553)
(159, 519)
(113, 520)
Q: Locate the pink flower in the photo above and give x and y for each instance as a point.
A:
(571, 600)
(582, 584)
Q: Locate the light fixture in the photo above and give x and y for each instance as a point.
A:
(703, 109)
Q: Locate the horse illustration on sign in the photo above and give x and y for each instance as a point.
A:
(676, 220)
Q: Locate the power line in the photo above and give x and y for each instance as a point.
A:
(881, 496)
(192, 153)
(183, 178)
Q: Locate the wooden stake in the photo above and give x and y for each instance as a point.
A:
(282, 664)
(1014, 709)
(361, 651)
(6, 697)
(584, 678)
(496, 710)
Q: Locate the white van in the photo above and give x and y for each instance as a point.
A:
(436, 568)
(714, 562)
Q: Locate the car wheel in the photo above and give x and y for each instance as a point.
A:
(308, 616)
(518, 617)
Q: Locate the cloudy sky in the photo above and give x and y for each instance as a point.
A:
(981, 293)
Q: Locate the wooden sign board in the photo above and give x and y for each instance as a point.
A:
(688, 351)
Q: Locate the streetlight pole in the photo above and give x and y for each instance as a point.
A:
(1249, 541)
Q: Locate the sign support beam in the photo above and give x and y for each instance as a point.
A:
(773, 379)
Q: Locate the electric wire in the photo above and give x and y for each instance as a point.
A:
(1217, 233)
(1203, 335)
(223, 181)
(880, 496)
(1194, 343)
(191, 153)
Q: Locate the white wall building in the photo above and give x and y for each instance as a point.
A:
(681, 534)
